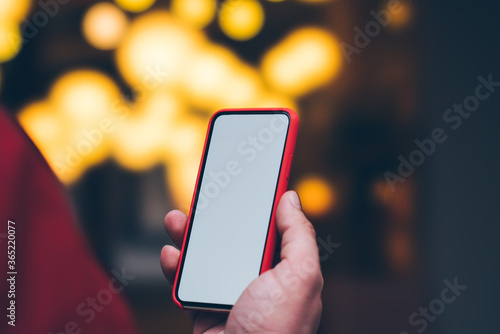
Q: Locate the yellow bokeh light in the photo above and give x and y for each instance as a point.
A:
(14, 10)
(104, 26)
(72, 128)
(88, 146)
(10, 40)
(41, 124)
(85, 96)
(49, 132)
(141, 137)
(198, 13)
(305, 60)
(179, 78)
(156, 51)
(181, 176)
(241, 19)
(216, 79)
(243, 88)
(208, 72)
(317, 196)
(401, 14)
(186, 138)
(183, 161)
(135, 6)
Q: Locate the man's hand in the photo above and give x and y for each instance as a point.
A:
(285, 299)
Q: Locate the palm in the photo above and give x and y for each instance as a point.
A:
(266, 306)
(285, 299)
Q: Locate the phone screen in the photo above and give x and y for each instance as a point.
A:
(233, 206)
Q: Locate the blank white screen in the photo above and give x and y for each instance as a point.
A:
(231, 220)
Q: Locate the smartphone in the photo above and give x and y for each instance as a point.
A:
(230, 236)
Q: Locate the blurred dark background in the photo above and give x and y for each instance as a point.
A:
(387, 244)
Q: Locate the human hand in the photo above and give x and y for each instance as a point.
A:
(284, 299)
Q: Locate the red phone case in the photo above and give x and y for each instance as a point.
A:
(286, 164)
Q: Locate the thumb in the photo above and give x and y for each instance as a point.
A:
(298, 237)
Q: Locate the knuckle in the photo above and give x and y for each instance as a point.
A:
(310, 227)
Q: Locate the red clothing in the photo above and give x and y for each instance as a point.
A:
(59, 287)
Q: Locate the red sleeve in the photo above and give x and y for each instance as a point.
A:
(58, 286)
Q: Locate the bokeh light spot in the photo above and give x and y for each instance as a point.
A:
(50, 132)
(141, 137)
(217, 79)
(197, 13)
(317, 195)
(135, 6)
(401, 14)
(14, 10)
(10, 40)
(41, 124)
(104, 26)
(156, 50)
(305, 60)
(209, 71)
(241, 19)
(85, 96)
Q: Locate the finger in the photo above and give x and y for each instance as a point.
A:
(169, 259)
(175, 224)
(204, 322)
(298, 242)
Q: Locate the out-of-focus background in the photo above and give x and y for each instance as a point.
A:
(400, 182)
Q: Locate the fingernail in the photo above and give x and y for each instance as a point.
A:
(295, 200)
